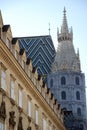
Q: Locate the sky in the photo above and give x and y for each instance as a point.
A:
(32, 18)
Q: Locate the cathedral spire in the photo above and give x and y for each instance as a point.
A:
(64, 28)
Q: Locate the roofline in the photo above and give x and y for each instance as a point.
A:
(33, 36)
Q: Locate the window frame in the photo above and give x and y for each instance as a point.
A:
(20, 97)
(63, 80)
(63, 95)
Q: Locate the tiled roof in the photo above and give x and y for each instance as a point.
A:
(41, 50)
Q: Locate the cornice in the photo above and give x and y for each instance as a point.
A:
(9, 58)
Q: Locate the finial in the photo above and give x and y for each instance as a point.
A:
(64, 11)
(49, 29)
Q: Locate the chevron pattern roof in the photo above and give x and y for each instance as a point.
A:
(41, 50)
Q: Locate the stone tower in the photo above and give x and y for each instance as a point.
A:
(66, 80)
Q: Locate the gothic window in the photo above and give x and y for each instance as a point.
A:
(81, 127)
(1, 126)
(78, 95)
(63, 95)
(79, 111)
(51, 83)
(63, 80)
(77, 80)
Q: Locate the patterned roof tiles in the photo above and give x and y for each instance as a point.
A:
(41, 50)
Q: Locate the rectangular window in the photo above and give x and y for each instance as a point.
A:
(36, 115)
(44, 124)
(29, 107)
(12, 88)
(3, 79)
(20, 97)
(1, 126)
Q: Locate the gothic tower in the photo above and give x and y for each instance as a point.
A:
(66, 80)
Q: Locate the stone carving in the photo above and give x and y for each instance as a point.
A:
(3, 110)
(11, 119)
(20, 127)
(29, 128)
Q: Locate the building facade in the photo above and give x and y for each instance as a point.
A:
(66, 81)
(25, 101)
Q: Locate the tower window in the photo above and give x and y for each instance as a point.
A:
(79, 111)
(51, 83)
(78, 95)
(63, 80)
(77, 80)
(63, 95)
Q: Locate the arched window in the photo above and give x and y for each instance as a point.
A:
(63, 80)
(63, 95)
(81, 127)
(78, 95)
(51, 83)
(79, 111)
(77, 80)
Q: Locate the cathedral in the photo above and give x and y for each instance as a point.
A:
(61, 70)
(41, 88)
(66, 80)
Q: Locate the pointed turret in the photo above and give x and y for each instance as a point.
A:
(64, 28)
(66, 58)
(65, 33)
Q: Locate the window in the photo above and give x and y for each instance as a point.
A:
(78, 95)
(12, 88)
(20, 97)
(63, 80)
(63, 95)
(51, 83)
(44, 124)
(3, 79)
(1, 126)
(77, 80)
(29, 107)
(36, 115)
(79, 111)
(81, 127)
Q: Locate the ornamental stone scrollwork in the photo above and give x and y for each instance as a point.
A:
(37, 126)
(20, 127)
(11, 119)
(29, 128)
(2, 110)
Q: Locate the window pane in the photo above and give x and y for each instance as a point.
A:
(29, 108)
(36, 116)
(63, 95)
(20, 97)
(3, 78)
(78, 95)
(51, 83)
(1, 126)
(63, 81)
(77, 80)
(12, 89)
(44, 124)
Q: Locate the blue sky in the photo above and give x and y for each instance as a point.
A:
(32, 18)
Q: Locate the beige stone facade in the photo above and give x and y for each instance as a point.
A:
(25, 101)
